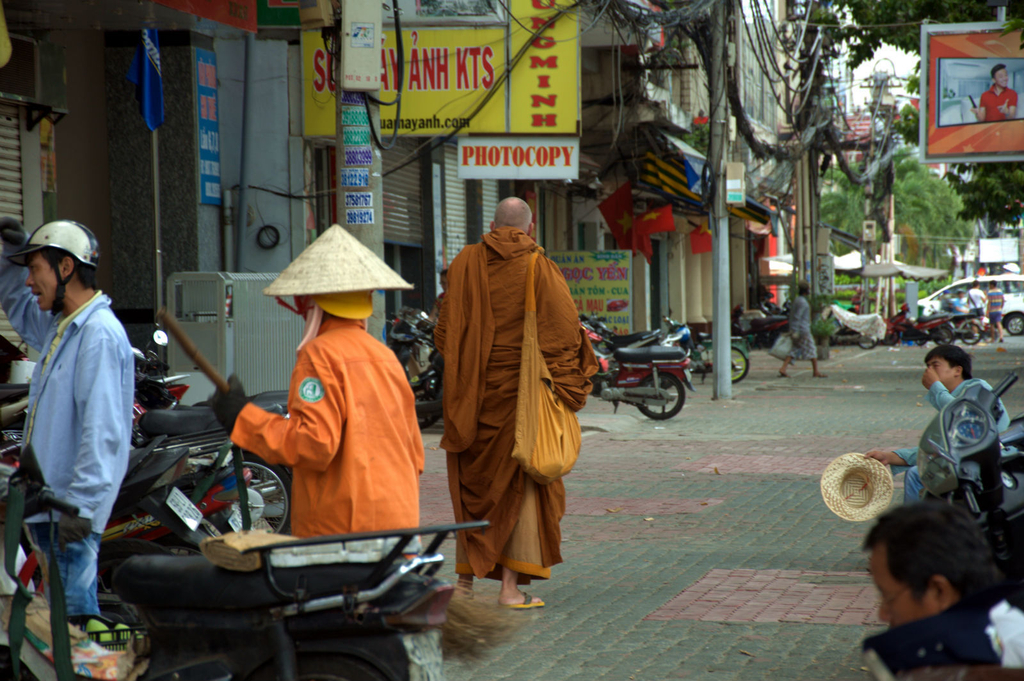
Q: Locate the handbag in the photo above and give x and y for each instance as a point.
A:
(548, 433)
(783, 347)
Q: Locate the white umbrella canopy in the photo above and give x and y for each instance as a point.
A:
(881, 270)
(851, 262)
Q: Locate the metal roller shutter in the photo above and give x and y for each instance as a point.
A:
(10, 186)
(403, 215)
(489, 202)
(454, 205)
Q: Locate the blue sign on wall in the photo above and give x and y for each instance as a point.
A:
(209, 130)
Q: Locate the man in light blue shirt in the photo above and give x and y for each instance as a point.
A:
(79, 413)
(946, 376)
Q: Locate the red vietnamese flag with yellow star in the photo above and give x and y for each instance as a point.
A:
(700, 239)
(617, 210)
(657, 220)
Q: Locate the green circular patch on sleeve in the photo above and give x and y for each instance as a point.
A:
(311, 390)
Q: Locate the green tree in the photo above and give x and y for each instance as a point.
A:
(927, 209)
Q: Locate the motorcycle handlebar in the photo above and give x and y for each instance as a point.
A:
(1005, 384)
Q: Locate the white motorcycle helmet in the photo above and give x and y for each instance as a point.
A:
(73, 238)
(67, 236)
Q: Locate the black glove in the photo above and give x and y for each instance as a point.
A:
(12, 232)
(226, 406)
(71, 529)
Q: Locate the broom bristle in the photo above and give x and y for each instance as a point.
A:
(475, 626)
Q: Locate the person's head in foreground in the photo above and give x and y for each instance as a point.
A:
(924, 558)
(951, 363)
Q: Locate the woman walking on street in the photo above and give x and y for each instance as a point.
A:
(800, 330)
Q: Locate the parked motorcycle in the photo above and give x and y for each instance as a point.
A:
(364, 605)
(411, 337)
(969, 328)
(197, 424)
(962, 461)
(698, 349)
(652, 379)
(764, 330)
(605, 341)
(936, 327)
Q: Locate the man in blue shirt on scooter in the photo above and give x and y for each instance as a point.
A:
(79, 415)
(946, 376)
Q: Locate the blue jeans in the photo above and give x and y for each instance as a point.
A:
(912, 486)
(77, 564)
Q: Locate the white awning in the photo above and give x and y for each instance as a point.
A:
(898, 269)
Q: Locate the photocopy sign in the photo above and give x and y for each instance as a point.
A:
(208, 128)
(519, 158)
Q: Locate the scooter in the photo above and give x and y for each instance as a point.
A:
(968, 328)
(365, 605)
(963, 460)
(698, 349)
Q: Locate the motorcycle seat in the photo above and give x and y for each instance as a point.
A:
(178, 421)
(649, 354)
(10, 392)
(184, 420)
(933, 317)
(193, 582)
(631, 338)
(759, 323)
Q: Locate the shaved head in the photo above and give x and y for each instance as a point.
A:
(513, 212)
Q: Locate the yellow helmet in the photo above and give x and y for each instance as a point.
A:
(351, 305)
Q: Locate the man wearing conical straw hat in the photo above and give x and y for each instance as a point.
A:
(351, 437)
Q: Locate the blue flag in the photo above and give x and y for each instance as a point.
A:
(145, 73)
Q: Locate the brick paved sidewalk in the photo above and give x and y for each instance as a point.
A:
(699, 547)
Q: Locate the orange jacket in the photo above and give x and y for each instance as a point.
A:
(351, 438)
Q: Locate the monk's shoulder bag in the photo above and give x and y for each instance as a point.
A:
(547, 431)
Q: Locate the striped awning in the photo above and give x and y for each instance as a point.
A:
(670, 178)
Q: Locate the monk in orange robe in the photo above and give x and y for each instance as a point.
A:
(480, 335)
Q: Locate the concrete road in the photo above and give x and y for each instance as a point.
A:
(700, 548)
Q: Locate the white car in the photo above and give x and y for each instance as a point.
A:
(1012, 286)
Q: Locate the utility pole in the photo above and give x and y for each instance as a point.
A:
(358, 164)
(721, 330)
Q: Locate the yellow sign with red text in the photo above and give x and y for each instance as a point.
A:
(545, 81)
(457, 79)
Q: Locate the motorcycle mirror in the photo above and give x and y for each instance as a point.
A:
(160, 337)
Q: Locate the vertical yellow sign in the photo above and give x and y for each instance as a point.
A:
(545, 79)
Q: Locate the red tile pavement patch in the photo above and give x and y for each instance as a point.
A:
(803, 596)
(633, 506)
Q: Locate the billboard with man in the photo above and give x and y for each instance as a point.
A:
(971, 79)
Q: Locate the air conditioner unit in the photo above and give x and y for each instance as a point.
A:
(36, 74)
(237, 328)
